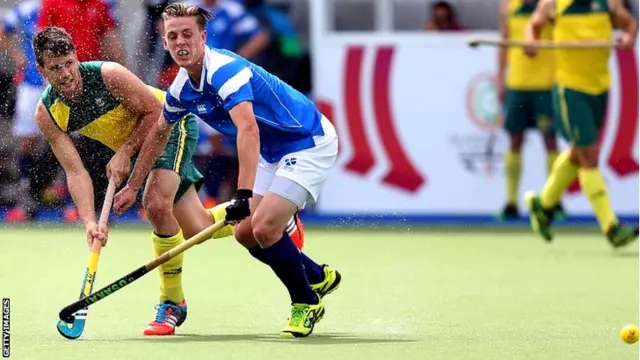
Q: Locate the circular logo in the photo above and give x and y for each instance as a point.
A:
(482, 102)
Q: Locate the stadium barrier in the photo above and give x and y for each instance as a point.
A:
(421, 137)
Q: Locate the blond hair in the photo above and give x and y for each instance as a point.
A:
(177, 10)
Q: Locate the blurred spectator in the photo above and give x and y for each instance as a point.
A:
(10, 191)
(284, 56)
(443, 18)
(36, 163)
(93, 27)
(153, 63)
(91, 24)
(232, 28)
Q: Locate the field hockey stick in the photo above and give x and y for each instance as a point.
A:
(66, 314)
(74, 329)
(544, 44)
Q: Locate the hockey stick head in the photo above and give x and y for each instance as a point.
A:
(73, 325)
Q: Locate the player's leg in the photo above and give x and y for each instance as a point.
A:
(591, 180)
(172, 173)
(193, 217)
(581, 117)
(295, 183)
(160, 190)
(323, 278)
(564, 171)
(543, 107)
(516, 115)
(279, 252)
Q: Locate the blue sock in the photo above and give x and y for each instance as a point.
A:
(256, 252)
(314, 272)
(284, 259)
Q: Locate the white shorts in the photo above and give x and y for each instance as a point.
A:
(300, 176)
(24, 123)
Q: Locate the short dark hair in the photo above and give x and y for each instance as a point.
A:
(176, 10)
(52, 41)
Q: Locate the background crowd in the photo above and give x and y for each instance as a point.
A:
(272, 34)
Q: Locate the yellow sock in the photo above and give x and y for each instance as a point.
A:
(512, 173)
(562, 174)
(594, 188)
(551, 159)
(171, 271)
(218, 212)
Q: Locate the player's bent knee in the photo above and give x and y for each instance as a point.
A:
(244, 235)
(158, 208)
(266, 230)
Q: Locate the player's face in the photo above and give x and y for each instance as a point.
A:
(184, 40)
(63, 73)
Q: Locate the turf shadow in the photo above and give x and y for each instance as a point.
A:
(314, 339)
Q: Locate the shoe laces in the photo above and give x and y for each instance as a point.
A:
(165, 310)
(298, 314)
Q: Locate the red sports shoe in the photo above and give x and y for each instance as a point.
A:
(168, 317)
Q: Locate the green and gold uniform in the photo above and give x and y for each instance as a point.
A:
(580, 101)
(101, 116)
(582, 76)
(529, 81)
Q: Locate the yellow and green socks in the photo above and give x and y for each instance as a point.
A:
(594, 188)
(171, 271)
(562, 173)
(512, 173)
(218, 213)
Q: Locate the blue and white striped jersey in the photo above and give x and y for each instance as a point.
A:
(287, 120)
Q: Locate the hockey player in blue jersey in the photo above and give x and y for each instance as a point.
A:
(286, 149)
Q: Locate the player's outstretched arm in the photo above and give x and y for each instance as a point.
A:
(78, 180)
(152, 148)
(624, 21)
(141, 103)
(248, 143)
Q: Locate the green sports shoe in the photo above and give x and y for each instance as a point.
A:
(302, 320)
(539, 217)
(620, 235)
(559, 213)
(331, 282)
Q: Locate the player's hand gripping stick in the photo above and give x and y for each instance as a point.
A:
(66, 314)
(74, 329)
